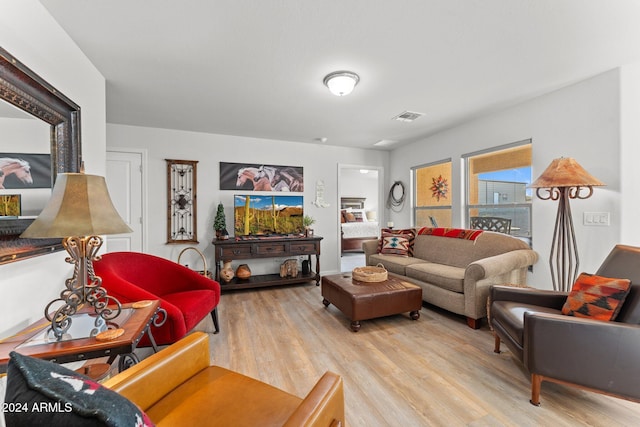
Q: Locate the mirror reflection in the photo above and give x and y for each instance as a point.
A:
(25, 163)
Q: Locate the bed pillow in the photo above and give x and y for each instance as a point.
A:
(404, 237)
(360, 215)
(50, 394)
(596, 297)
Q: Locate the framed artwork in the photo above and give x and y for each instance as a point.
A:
(10, 205)
(261, 177)
(25, 170)
(182, 206)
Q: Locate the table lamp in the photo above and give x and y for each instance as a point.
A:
(79, 211)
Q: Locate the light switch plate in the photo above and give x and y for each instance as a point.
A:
(596, 219)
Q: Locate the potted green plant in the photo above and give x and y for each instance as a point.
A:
(307, 222)
(220, 224)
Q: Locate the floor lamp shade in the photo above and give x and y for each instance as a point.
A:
(562, 180)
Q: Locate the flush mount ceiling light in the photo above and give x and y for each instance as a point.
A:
(341, 83)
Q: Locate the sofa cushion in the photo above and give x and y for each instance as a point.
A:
(407, 233)
(596, 297)
(394, 263)
(50, 394)
(395, 244)
(444, 276)
(462, 252)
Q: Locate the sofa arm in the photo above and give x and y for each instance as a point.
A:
(369, 247)
(500, 264)
(595, 354)
(150, 380)
(323, 406)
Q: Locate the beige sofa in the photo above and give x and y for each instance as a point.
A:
(456, 274)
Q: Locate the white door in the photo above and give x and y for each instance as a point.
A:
(125, 183)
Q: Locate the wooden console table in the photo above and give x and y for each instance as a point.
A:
(252, 248)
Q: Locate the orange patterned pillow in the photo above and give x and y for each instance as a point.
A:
(596, 297)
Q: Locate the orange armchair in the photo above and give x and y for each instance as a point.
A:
(185, 295)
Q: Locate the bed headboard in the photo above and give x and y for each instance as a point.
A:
(352, 202)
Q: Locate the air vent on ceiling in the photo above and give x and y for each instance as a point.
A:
(385, 142)
(407, 116)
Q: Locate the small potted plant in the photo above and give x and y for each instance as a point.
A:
(307, 222)
(220, 224)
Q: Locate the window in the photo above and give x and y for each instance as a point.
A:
(432, 198)
(497, 186)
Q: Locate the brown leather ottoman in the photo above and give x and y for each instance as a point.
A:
(364, 300)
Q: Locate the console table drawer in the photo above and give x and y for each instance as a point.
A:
(303, 248)
(272, 249)
(235, 252)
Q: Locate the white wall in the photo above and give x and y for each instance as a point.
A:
(29, 33)
(320, 162)
(629, 154)
(580, 121)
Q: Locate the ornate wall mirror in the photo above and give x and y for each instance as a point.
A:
(23, 89)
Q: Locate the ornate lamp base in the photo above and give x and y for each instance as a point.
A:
(84, 287)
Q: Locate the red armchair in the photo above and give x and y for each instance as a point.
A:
(187, 296)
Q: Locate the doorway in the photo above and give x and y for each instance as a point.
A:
(126, 184)
(362, 185)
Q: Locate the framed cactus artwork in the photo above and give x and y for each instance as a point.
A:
(10, 205)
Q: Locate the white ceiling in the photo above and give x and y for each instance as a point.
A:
(255, 67)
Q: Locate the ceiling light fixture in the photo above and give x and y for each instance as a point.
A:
(341, 83)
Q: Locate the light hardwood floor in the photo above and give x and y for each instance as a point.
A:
(435, 371)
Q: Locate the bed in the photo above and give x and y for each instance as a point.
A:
(355, 227)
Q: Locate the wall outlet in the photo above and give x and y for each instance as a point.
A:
(596, 218)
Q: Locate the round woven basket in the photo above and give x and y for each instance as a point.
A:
(370, 274)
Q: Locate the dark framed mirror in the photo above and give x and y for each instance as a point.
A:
(25, 90)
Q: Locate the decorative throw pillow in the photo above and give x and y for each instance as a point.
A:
(596, 297)
(394, 244)
(404, 234)
(45, 393)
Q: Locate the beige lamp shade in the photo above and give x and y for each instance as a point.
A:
(565, 172)
(79, 206)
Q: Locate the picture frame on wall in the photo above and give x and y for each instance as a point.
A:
(261, 177)
(25, 170)
(10, 205)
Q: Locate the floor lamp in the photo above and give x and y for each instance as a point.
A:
(79, 211)
(563, 180)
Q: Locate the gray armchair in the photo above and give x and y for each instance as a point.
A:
(589, 354)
